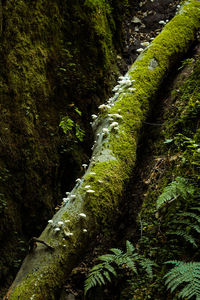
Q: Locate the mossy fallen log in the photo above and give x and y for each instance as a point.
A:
(92, 204)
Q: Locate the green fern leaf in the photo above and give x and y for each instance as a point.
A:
(101, 272)
(190, 215)
(179, 187)
(107, 276)
(147, 265)
(187, 237)
(195, 227)
(107, 257)
(129, 248)
(196, 208)
(130, 264)
(116, 251)
(184, 273)
(97, 267)
(188, 224)
(110, 269)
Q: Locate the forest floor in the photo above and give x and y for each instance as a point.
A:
(144, 26)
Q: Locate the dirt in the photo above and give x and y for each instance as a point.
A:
(144, 26)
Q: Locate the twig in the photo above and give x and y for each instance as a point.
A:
(33, 244)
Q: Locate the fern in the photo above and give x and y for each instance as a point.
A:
(190, 215)
(186, 223)
(178, 188)
(184, 273)
(187, 237)
(102, 272)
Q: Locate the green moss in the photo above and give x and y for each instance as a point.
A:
(111, 175)
(108, 185)
(48, 63)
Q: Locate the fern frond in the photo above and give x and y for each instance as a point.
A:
(116, 251)
(178, 187)
(190, 215)
(130, 264)
(98, 274)
(195, 208)
(188, 224)
(107, 257)
(101, 273)
(129, 248)
(187, 237)
(107, 276)
(195, 227)
(147, 265)
(184, 273)
(111, 269)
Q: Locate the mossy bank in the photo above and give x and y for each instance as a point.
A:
(56, 59)
(94, 201)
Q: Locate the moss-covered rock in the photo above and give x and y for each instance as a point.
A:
(94, 201)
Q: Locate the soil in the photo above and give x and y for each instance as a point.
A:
(144, 26)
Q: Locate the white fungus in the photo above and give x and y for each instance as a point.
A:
(57, 229)
(139, 50)
(116, 88)
(82, 215)
(145, 44)
(84, 166)
(103, 107)
(87, 186)
(94, 117)
(117, 116)
(50, 221)
(65, 199)
(105, 131)
(67, 221)
(114, 124)
(84, 230)
(90, 191)
(132, 89)
(78, 180)
(162, 22)
(68, 233)
(60, 223)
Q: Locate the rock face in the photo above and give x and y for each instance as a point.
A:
(48, 53)
(92, 204)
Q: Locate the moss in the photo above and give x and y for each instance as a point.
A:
(181, 116)
(108, 185)
(101, 206)
(47, 66)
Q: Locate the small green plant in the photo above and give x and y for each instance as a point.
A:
(185, 276)
(177, 188)
(79, 133)
(68, 125)
(186, 225)
(186, 62)
(102, 272)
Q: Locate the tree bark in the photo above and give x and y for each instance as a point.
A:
(92, 204)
